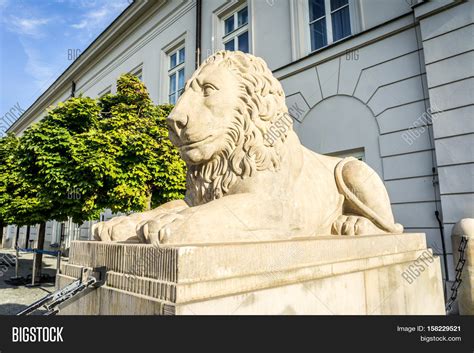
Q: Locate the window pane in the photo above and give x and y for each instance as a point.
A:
(341, 25)
(242, 17)
(335, 4)
(172, 83)
(181, 79)
(244, 42)
(172, 60)
(316, 9)
(229, 45)
(318, 34)
(229, 24)
(181, 56)
(172, 98)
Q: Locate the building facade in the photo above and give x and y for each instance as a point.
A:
(388, 81)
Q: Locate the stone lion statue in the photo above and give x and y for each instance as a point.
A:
(249, 178)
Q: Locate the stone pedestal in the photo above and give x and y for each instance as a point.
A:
(465, 229)
(319, 275)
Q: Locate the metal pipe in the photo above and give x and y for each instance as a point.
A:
(73, 89)
(58, 263)
(33, 273)
(443, 244)
(35, 305)
(198, 32)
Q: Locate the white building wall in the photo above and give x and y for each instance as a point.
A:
(369, 97)
(449, 58)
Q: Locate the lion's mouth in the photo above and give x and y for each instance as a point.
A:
(193, 144)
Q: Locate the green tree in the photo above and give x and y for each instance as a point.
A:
(8, 152)
(87, 155)
(20, 202)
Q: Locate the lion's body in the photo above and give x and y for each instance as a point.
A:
(242, 186)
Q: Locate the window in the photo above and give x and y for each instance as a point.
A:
(358, 153)
(176, 74)
(236, 32)
(329, 21)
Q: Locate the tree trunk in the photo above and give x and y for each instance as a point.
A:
(39, 257)
(1, 234)
(27, 237)
(148, 201)
(62, 235)
(17, 235)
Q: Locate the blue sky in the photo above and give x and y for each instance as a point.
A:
(36, 37)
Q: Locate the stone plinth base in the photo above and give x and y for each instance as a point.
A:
(318, 275)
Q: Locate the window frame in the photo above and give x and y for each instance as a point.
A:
(357, 153)
(219, 16)
(237, 31)
(301, 29)
(138, 72)
(175, 71)
(328, 13)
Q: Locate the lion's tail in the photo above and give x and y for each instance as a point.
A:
(364, 210)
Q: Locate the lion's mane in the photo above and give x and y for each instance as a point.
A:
(247, 151)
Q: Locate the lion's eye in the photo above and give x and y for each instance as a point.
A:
(208, 89)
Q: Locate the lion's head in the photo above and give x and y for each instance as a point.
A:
(221, 121)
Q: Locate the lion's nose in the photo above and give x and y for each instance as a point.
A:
(177, 121)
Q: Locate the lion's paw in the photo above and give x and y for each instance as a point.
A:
(117, 229)
(159, 230)
(353, 225)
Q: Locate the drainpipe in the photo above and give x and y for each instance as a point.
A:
(198, 32)
(73, 89)
(443, 244)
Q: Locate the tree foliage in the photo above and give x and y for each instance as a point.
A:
(131, 150)
(19, 200)
(47, 159)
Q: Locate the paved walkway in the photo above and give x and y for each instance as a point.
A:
(15, 298)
